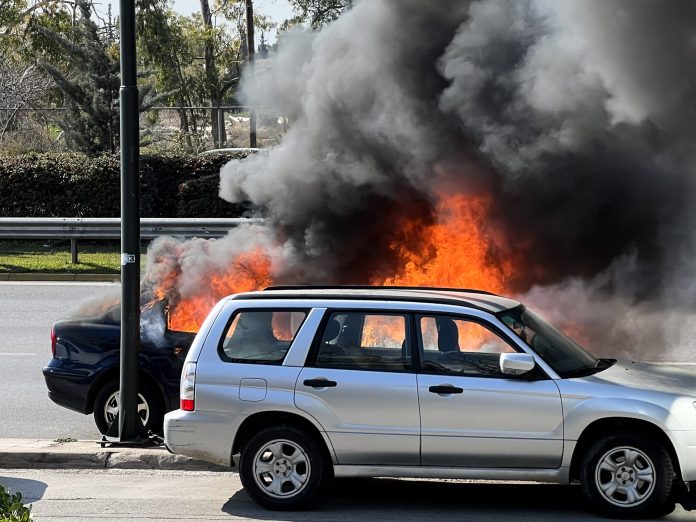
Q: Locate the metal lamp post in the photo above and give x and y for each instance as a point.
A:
(130, 428)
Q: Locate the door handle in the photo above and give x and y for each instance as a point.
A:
(445, 388)
(320, 383)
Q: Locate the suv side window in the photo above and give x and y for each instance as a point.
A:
(260, 336)
(457, 346)
(365, 341)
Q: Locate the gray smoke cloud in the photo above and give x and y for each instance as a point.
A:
(576, 117)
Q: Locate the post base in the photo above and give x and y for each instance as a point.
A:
(141, 439)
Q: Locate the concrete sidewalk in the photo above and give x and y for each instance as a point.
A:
(47, 454)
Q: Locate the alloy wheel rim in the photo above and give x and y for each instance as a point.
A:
(281, 468)
(111, 408)
(625, 476)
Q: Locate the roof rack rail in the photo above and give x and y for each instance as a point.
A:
(373, 287)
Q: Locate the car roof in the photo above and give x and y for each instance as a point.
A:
(478, 299)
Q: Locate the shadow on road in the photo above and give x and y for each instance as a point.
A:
(404, 500)
(31, 490)
(387, 499)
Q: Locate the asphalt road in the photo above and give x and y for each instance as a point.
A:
(117, 495)
(27, 311)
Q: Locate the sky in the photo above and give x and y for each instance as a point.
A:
(276, 10)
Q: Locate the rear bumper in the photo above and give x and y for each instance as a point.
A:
(204, 435)
(68, 388)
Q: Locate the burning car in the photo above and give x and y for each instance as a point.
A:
(83, 373)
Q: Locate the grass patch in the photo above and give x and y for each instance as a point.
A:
(95, 257)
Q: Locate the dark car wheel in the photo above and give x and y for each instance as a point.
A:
(150, 407)
(283, 468)
(628, 476)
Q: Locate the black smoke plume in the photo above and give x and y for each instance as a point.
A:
(577, 117)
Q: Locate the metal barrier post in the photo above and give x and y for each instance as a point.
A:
(222, 138)
(73, 251)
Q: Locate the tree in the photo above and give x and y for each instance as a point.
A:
(21, 86)
(212, 74)
(316, 13)
(89, 85)
(197, 58)
(164, 48)
(17, 40)
(225, 56)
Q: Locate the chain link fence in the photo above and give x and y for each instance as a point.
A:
(162, 129)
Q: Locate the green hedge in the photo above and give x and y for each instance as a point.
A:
(75, 185)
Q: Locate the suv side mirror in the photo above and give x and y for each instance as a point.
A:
(516, 363)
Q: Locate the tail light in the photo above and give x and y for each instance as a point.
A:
(53, 342)
(188, 387)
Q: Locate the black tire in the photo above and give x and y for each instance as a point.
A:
(656, 499)
(316, 468)
(153, 399)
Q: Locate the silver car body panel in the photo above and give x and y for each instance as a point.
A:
(496, 423)
(661, 395)
(554, 475)
(371, 423)
(370, 417)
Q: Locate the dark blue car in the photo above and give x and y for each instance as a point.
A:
(83, 374)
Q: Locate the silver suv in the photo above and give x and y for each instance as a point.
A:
(294, 385)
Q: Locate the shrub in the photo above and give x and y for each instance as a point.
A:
(76, 185)
(11, 507)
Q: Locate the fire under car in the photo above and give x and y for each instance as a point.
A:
(293, 386)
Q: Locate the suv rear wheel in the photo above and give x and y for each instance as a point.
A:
(628, 476)
(282, 468)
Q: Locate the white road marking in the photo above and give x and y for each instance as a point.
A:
(17, 353)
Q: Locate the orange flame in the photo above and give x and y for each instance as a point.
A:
(383, 331)
(248, 271)
(452, 252)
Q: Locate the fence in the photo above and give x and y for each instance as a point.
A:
(162, 129)
(110, 228)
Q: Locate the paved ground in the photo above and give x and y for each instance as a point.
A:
(27, 311)
(117, 495)
(51, 454)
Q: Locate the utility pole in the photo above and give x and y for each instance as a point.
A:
(251, 50)
(130, 427)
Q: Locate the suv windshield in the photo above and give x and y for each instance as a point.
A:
(564, 355)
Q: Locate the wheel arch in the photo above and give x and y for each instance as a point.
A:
(266, 419)
(113, 374)
(610, 425)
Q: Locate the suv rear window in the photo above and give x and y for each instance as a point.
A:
(261, 336)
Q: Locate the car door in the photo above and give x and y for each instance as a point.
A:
(360, 385)
(471, 414)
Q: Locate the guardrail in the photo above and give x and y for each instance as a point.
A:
(110, 228)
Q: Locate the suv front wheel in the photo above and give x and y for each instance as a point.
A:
(628, 476)
(282, 468)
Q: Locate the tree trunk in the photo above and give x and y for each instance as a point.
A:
(212, 75)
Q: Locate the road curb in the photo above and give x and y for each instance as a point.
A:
(55, 276)
(46, 454)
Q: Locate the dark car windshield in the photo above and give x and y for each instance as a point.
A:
(565, 356)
